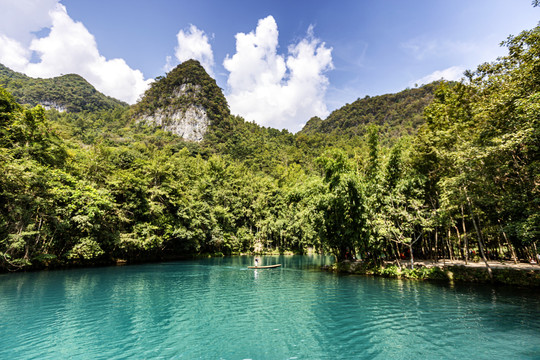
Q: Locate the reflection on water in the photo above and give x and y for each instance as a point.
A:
(218, 308)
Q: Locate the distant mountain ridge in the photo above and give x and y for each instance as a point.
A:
(186, 102)
(396, 114)
(71, 92)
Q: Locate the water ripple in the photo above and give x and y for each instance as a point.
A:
(217, 309)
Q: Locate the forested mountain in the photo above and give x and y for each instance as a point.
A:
(187, 102)
(395, 114)
(70, 92)
(97, 186)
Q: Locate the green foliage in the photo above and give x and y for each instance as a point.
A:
(69, 92)
(95, 186)
(186, 85)
(342, 206)
(397, 114)
(390, 271)
(479, 150)
(26, 133)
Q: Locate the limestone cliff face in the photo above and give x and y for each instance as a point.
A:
(48, 105)
(189, 121)
(187, 102)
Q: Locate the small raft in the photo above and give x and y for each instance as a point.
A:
(264, 267)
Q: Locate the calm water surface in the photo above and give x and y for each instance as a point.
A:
(218, 309)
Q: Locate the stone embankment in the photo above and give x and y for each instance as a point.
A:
(508, 273)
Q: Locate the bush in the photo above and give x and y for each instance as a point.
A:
(390, 271)
(435, 273)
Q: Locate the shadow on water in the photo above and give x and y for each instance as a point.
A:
(299, 262)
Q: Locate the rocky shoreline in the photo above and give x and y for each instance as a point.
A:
(521, 274)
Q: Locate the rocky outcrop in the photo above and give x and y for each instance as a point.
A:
(186, 102)
(190, 123)
(48, 105)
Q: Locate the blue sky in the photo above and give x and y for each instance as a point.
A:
(296, 59)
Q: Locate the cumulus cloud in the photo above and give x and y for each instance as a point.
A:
(193, 44)
(19, 19)
(453, 73)
(12, 53)
(69, 48)
(274, 90)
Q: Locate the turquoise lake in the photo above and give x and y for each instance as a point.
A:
(219, 309)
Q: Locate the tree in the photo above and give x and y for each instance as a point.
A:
(342, 207)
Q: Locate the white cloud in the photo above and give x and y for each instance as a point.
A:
(12, 53)
(20, 18)
(275, 92)
(193, 44)
(453, 73)
(70, 48)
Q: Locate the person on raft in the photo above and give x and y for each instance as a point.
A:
(256, 261)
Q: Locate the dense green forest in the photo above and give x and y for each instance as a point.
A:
(69, 92)
(396, 114)
(162, 92)
(459, 181)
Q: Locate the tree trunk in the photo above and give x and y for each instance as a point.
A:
(500, 249)
(374, 257)
(460, 245)
(465, 238)
(430, 248)
(412, 257)
(425, 250)
(510, 247)
(450, 250)
(436, 245)
(398, 259)
(480, 241)
(513, 251)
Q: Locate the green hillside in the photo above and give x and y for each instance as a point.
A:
(187, 84)
(186, 102)
(88, 188)
(395, 114)
(71, 92)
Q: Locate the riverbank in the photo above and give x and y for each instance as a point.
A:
(53, 263)
(521, 274)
